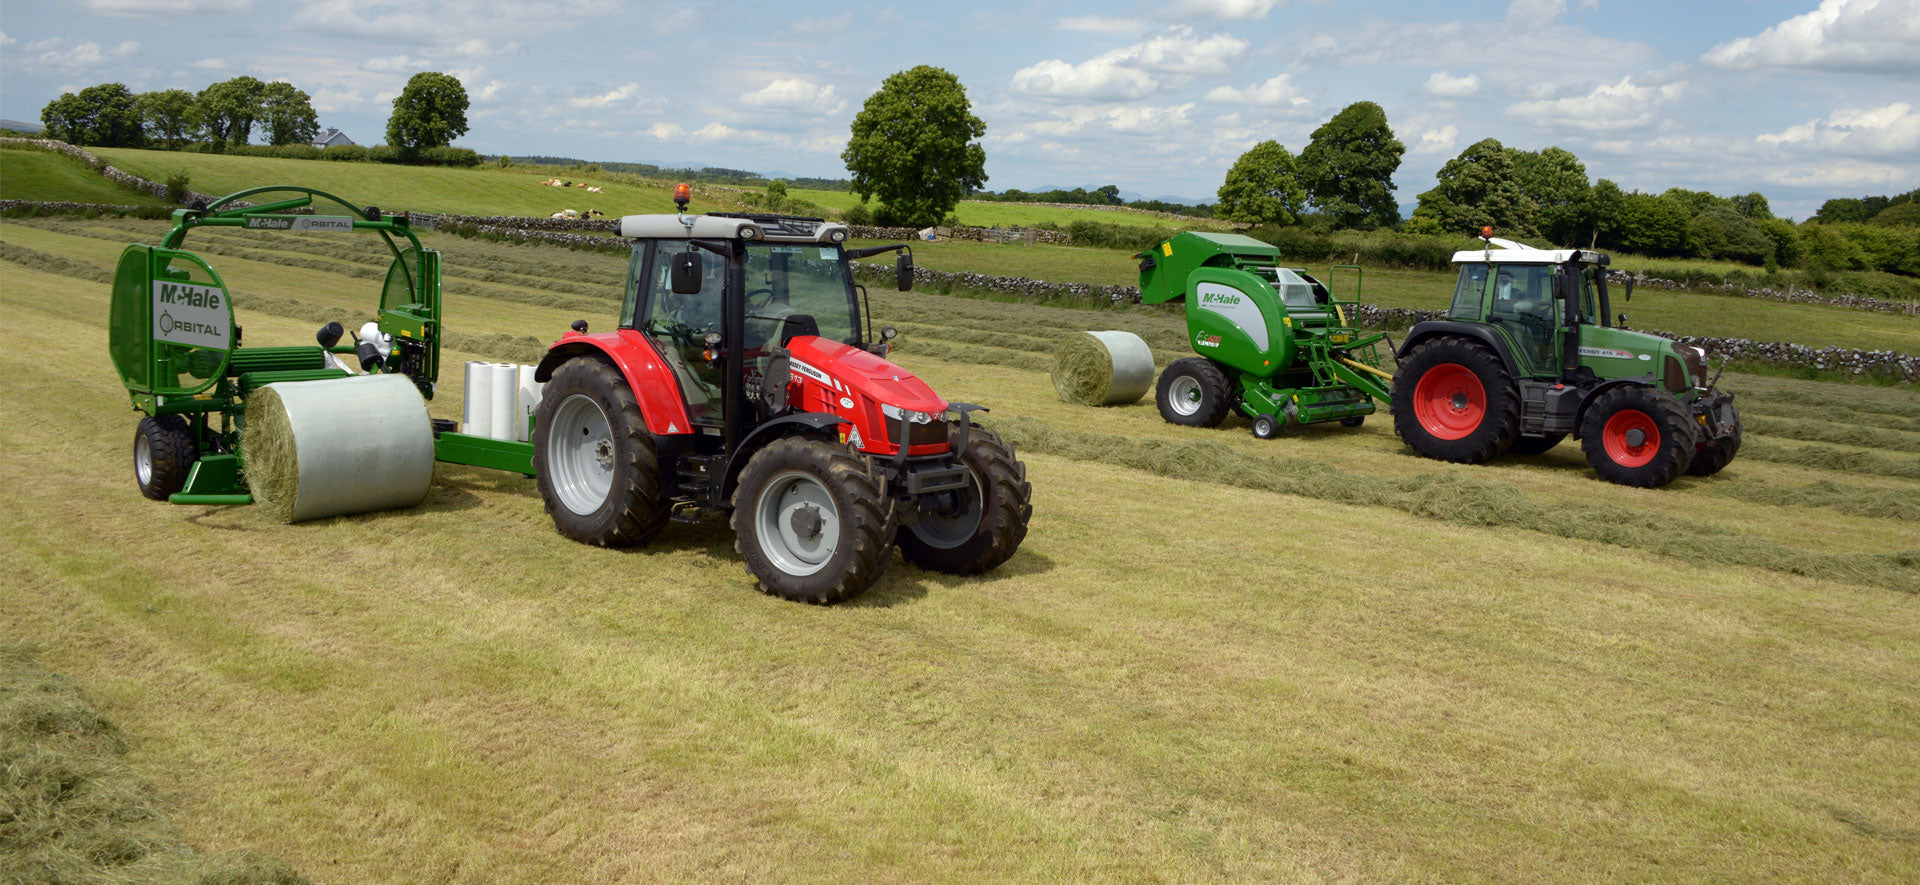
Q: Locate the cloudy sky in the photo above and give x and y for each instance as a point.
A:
(1799, 99)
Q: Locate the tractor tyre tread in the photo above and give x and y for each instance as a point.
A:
(866, 529)
(636, 508)
(1006, 510)
(1679, 436)
(1496, 431)
(170, 445)
(1216, 398)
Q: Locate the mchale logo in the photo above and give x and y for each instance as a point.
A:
(1220, 298)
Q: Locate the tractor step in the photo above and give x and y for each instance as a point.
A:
(696, 475)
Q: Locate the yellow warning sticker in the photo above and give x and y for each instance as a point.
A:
(1166, 248)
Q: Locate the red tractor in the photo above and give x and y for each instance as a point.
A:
(744, 379)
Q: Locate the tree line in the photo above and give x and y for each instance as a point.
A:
(224, 117)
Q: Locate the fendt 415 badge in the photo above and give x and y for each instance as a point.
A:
(744, 378)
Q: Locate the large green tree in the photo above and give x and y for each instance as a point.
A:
(430, 112)
(1653, 225)
(915, 146)
(1479, 187)
(1555, 184)
(107, 115)
(1263, 187)
(1347, 169)
(229, 108)
(287, 114)
(169, 116)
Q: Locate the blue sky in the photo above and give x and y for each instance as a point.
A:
(1799, 99)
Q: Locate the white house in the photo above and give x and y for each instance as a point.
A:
(331, 138)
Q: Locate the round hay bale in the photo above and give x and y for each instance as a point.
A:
(345, 445)
(1102, 368)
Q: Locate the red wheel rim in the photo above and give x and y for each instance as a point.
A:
(1614, 438)
(1450, 402)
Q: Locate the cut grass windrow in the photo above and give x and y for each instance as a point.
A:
(1854, 500)
(1467, 501)
(1830, 431)
(1830, 458)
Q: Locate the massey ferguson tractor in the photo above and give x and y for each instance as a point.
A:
(744, 378)
(1530, 352)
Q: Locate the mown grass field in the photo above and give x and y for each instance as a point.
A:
(1215, 657)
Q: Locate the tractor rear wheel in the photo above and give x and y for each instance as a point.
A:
(1714, 455)
(1453, 400)
(809, 521)
(1535, 445)
(981, 525)
(597, 467)
(1638, 436)
(163, 455)
(1193, 392)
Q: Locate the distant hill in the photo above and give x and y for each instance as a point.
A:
(22, 126)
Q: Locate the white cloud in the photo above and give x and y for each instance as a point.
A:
(712, 132)
(1104, 24)
(6, 40)
(1872, 36)
(1534, 14)
(396, 64)
(1608, 108)
(1276, 92)
(1438, 141)
(56, 56)
(1891, 131)
(1229, 10)
(328, 101)
(1444, 85)
(823, 25)
(209, 64)
(617, 96)
(481, 48)
(795, 95)
(1128, 73)
(142, 8)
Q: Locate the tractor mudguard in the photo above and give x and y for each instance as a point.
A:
(1435, 328)
(651, 380)
(774, 429)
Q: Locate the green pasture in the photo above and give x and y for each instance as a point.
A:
(984, 213)
(40, 175)
(1215, 657)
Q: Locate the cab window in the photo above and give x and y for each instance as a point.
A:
(1468, 291)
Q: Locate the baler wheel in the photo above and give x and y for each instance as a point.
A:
(597, 467)
(1193, 393)
(1714, 455)
(1638, 436)
(1265, 427)
(1453, 400)
(986, 526)
(1354, 421)
(163, 455)
(809, 521)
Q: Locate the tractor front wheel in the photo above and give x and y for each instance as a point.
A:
(808, 520)
(1453, 400)
(597, 467)
(1193, 392)
(1638, 436)
(978, 527)
(163, 455)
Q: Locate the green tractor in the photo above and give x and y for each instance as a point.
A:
(1530, 351)
(1274, 344)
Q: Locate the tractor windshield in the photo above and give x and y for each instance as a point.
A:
(787, 279)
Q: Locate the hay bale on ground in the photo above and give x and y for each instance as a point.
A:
(1108, 368)
(328, 448)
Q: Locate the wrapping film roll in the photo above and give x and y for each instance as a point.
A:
(1102, 368)
(345, 445)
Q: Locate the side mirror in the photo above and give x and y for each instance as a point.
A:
(686, 271)
(903, 271)
(1627, 294)
(1620, 323)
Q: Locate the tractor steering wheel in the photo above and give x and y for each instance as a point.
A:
(751, 307)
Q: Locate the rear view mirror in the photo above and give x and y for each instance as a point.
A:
(686, 271)
(1628, 295)
(903, 271)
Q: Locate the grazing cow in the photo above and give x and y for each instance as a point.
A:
(593, 190)
(567, 213)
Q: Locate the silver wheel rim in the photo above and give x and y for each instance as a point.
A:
(948, 532)
(143, 459)
(1183, 395)
(580, 453)
(785, 522)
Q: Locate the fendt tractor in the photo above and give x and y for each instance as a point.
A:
(744, 377)
(1531, 351)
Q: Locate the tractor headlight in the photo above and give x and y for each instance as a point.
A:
(907, 415)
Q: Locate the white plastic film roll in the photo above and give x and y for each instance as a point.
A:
(339, 446)
(1102, 368)
(501, 386)
(529, 400)
(476, 404)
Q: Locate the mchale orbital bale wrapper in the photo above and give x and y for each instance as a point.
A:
(1274, 345)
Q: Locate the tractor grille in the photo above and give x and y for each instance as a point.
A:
(918, 434)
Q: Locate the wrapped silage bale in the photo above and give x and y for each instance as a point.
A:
(345, 445)
(1102, 368)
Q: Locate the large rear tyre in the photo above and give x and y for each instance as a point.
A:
(1638, 436)
(1535, 445)
(1714, 455)
(163, 455)
(1453, 400)
(598, 468)
(979, 527)
(1193, 392)
(809, 521)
